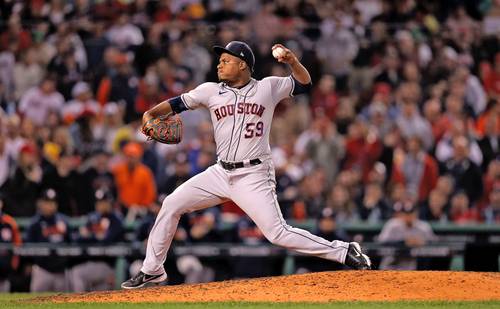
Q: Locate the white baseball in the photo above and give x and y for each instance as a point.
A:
(278, 52)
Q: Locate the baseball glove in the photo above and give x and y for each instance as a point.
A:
(164, 129)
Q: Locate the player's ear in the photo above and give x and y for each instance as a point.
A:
(243, 65)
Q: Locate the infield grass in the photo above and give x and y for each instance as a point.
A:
(18, 301)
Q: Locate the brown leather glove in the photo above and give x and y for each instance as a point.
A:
(164, 129)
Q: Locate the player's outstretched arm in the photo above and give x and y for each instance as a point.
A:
(163, 108)
(299, 72)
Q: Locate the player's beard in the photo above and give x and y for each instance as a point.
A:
(221, 79)
(225, 81)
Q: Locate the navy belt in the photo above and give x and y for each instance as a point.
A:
(234, 165)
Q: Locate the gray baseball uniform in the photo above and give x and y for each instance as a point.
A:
(242, 120)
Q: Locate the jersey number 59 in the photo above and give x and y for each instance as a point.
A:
(254, 129)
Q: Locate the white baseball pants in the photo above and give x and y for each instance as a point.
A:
(253, 190)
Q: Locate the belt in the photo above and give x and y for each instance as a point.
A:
(234, 165)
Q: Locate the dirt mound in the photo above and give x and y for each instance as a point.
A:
(317, 287)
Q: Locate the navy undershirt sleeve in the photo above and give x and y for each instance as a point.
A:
(300, 88)
(177, 105)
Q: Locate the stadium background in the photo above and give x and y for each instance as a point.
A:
(402, 122)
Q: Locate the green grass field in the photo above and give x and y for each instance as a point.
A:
(18, 301)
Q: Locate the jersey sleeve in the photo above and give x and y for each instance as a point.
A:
(281, 87)
(198, 96)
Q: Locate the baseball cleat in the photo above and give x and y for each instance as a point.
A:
(356, 259)
(142, 280)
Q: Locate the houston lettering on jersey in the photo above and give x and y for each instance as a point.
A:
(241, 108)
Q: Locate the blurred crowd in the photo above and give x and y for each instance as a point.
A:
(404, 108)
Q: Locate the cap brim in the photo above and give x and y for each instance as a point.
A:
(219, 50)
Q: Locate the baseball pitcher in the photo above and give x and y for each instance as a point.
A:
(241, 109)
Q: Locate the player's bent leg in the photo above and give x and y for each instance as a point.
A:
(202, 191)
(256, 196)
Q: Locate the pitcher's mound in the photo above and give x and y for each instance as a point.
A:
(318, 287)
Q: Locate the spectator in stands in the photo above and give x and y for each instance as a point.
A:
(363, 148)
(196, 58)
(123, 33)
(379, 120)
(492, 19)
(38, 101)
(466, 174)
(205, 157)
(490, 180)
(324, 99)
(107, 129)
(149, 91)
(9, 234)
(202, 226)
(134, 181)
(16, 35)
(417, 170)
(65, 180)
(341, 203)
(462, 28)
(435, 207)
(491, 213)
(490, 142)
(6, 161)
(82, 102)
(327, 226)
(171, 179)
(49, 227)
(471, 90)
(28, 73)
(24, 184)
(326, 147)
(67, 39)
(461, 210)
(432, 113)
(103, 227)
(404, 229)
(312, 190)
(445, 184)
(66, 68)
(390, 73)
(410, 122)
(454, 113)
(492, 110)
(97, 176)
(337, 49)
(120, 85)
(95, 44)
(492, 78)
(345, 115)
(371, 206)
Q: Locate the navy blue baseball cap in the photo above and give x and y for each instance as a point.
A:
(48, 194)
(238, 49)
(103, 195)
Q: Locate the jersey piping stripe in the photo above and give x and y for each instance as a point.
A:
(183, 101)
(234, 122)
(280, 215)
(241, 127)
(293, 86)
